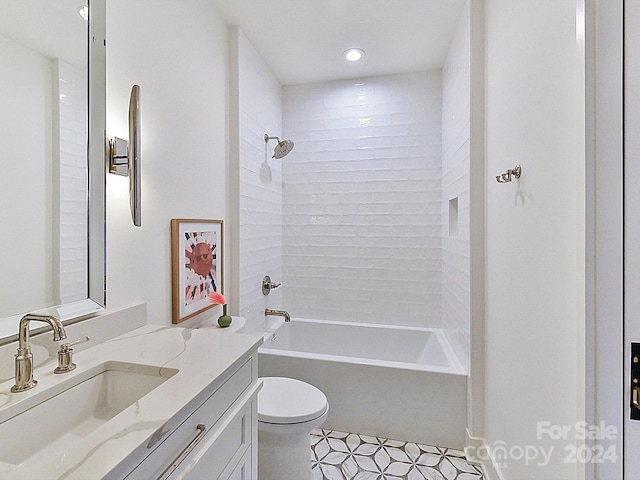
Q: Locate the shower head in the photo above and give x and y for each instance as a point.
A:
(283, 147)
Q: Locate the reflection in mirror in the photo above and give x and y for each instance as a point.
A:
(46, 255)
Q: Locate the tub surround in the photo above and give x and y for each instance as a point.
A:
(205, 359)
(369, 376)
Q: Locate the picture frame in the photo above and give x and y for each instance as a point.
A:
(196, 265)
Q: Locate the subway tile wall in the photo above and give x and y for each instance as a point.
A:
(260, 112)
(354, 221)
(362, 200)
(72, 91)
(456, 119)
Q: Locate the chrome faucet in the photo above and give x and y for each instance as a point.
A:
(278, 313)
(24, 358)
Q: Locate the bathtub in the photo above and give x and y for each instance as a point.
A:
(401, 383)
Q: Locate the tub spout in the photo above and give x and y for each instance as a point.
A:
(278, 313)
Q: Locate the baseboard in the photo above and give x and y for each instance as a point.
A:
(478, 453)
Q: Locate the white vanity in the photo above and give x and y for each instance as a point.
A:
(154, 403)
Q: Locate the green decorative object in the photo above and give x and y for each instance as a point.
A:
(225, 320)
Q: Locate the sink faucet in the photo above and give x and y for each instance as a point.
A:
(24, 358)
(278, 313)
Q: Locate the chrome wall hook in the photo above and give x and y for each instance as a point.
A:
(506, 177)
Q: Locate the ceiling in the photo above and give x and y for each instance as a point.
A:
(302, 40)
(55, 29)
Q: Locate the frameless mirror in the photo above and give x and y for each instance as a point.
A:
(52, 187)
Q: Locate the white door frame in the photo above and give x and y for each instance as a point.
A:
(604, 224)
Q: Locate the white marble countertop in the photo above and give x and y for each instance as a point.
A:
(203, 357)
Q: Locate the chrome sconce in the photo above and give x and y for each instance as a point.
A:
(124, 157)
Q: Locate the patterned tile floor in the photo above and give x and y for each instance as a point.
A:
(349, 456)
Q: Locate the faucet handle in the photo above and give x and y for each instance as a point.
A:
(65, 356)
(268, 285)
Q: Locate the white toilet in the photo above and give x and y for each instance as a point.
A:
(288, 410)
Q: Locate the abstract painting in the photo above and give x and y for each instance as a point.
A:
(196, 260)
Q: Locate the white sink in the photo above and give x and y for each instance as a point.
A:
(49, 422)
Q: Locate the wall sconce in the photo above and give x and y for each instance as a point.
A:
(124, 157)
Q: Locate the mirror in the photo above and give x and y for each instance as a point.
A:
(52, 188)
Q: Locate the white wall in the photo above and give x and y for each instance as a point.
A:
(361, 200)
(535, 259)
(456, 122)
(260, 180)
(177, 53)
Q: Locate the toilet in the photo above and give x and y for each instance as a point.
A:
(288, 410)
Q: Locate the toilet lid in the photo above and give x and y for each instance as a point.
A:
(286, 400)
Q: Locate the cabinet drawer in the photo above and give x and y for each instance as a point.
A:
(222, 449)
(243, 471)
(207, 414)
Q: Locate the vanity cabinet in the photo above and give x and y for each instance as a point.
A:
(216, 439)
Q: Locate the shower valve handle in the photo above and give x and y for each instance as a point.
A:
(268, 285)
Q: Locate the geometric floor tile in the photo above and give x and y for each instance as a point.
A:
(349, 456)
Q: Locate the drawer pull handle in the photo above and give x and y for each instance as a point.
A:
(187, 450)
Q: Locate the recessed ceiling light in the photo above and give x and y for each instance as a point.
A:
(353, 54)
(84, 12)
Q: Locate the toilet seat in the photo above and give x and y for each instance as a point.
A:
(285, 401)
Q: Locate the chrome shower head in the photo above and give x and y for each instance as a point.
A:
(283, 147)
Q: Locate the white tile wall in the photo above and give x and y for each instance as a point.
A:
(260, 112)
(456, 115)
(72, 90)
(353, 220)
(362, 201)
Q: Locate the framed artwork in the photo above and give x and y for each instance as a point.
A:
(196, 265)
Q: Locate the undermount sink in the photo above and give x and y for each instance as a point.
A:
(47, 424)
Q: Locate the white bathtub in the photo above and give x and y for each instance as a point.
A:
(395, 382)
